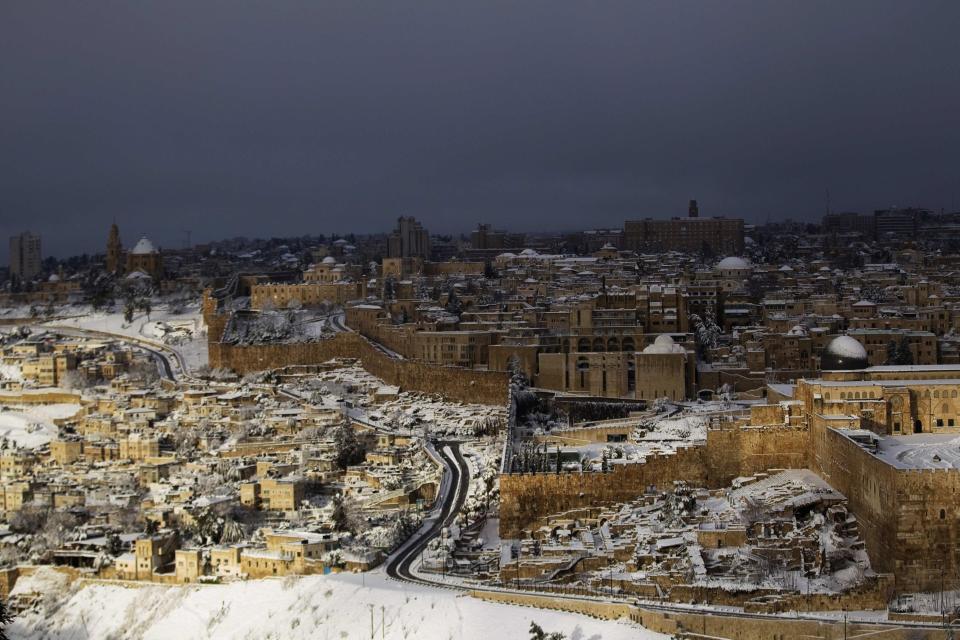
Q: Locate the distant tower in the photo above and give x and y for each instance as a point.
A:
(25, 258)
(114, 250)
(694, 210)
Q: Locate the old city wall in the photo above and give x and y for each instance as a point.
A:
(40, 397)
(869, 485)
(709, 625)
(928, 514)
(462, 385)
(908, 517)
(525, 498)
(743, 451)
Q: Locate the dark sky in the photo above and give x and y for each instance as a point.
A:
(285, 118)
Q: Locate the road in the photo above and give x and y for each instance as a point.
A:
(163, 362)
(453, 495)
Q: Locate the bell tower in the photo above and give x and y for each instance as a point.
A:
(114, 250)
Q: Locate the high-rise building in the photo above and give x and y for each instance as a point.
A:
(694, 210)
(723, 236)
(486, 237)
(409, 240)
(25, 258)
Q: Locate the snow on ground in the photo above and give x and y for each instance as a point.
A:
(180, 327)
(921, 451)
(687, 428)
(10, 372)
(334, 606)
(32, 426)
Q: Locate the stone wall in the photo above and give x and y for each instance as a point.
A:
(908, 517)
(729, 453)
(462, 385)
(691, 624)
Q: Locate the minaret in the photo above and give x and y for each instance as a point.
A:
(114, 250)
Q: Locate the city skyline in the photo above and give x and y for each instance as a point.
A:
(299, 119)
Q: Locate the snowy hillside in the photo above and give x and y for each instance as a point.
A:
(335, 607)
(32, 426)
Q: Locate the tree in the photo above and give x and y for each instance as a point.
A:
(537, 633)
(349, 448)
(904, 354)
(706, 332)
(893, 352)
(5, 618)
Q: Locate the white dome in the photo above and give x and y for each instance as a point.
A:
(528, 252)
(53, 278)
(663, 344)
(507, 255)
(329, 260)
(143, 247)
(733, 263)
(847, 347)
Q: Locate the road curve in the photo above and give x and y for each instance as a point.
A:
(399, 566)
(163, 361)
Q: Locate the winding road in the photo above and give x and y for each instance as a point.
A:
(163, 362)
(453, 495)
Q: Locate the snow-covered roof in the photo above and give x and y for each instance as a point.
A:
(733, 263)
(847, 347)
(143, 247)
(664, 344)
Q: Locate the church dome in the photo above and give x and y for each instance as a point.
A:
(143, 247)
(844, 354)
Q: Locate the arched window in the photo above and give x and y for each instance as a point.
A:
(583, 366)
(936, 394)
(613, 344)
(598, 344)
(843, 395)
(583, 344)
(943, 514)
(628, 344)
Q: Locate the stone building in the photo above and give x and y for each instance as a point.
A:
(145, 258)
(409, 240)
(717, 235)
(662, 369)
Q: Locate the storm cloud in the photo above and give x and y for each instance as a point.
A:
(286, 118)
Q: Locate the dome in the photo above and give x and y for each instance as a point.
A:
(329, 260)
(508, 255)
(733, 263)
(663, 344)
(528, 252)
(53, 278)
(845, 354)
(143, 247)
